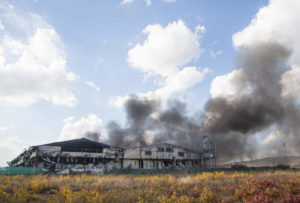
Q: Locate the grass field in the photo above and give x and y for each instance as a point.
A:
(269, 186)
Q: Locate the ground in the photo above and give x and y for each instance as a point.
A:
(254, 186)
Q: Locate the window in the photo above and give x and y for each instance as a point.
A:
(160, 149)
(169, 149)
(180, 153)
(148, 153)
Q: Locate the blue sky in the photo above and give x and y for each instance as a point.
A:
(94, 39)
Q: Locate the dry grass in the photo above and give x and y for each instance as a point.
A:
(271, 186)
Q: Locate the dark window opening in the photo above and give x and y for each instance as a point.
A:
(167, 163)
(142, 164)
(160, 149)
(148, 153)
(169, 149)
(180, 153)
(80, 160)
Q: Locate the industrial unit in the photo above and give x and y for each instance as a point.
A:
(83, 155)
(160, 156)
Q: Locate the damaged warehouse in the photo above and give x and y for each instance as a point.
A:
(86, 156)
(160, 156)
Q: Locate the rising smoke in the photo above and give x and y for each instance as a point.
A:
(138, 118)
(94, 136)
(147, 123)
(230, 122)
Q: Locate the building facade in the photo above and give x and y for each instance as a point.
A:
(86, 156)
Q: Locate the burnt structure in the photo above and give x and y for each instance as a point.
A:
(160, 156)
(86, 156)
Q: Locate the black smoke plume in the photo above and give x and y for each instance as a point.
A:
(232, 121)
(147, 123)
(229, 122)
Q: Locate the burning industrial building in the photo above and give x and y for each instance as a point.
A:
(230, 122)
(87, 156)
(260, 94)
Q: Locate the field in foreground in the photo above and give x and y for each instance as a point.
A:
(269, 186)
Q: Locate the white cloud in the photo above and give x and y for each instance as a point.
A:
(77, 129)
(10, 146)
(177, 83)
(118, 101)
(38, 73)
(159, 55)
(200, 29)
(225, 85)
(91, 84)
(169, 1)
(35, 69)
(126, 2)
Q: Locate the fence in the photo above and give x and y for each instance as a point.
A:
(20, 171)
(32, 171)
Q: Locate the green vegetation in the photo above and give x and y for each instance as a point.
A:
(268, 186)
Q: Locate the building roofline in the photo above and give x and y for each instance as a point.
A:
(83, 140)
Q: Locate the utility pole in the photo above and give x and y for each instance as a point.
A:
(211, 153)
(215, 154)
(284, 155)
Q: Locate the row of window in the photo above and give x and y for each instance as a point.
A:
(161, 149)
(149, 153)
(74, 160)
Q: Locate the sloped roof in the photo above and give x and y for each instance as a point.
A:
(78, 144)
